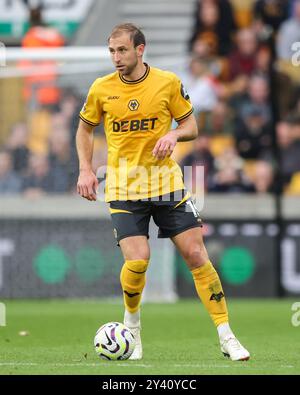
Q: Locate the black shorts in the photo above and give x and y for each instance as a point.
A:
(132, 218)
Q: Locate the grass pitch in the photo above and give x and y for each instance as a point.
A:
(177, 338)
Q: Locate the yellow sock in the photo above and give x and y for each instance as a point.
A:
(209, 289)
(133, 279)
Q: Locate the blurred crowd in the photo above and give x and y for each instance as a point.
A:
(39, 156)
(246, 96)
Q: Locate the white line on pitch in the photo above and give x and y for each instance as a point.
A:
(244, 365)
(201, 366)
(70, 364)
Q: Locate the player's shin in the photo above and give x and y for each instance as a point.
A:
(209, 289)
(133, 279)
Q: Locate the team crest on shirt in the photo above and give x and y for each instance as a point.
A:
(133, 105)
(184, 93)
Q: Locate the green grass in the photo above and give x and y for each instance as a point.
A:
(177, 338)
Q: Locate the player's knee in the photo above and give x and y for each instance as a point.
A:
(135, 250)
(196, 257)
(138, 254)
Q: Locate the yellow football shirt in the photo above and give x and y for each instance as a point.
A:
(136, 114)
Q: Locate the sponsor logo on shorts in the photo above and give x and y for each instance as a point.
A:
(115, 233)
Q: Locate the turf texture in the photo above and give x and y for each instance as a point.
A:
(56, 337)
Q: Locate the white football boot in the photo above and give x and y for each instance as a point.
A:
(132, 321)
(232, 348)
(138, 349)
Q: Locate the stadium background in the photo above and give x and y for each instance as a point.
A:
(235, 59)
(59, 265)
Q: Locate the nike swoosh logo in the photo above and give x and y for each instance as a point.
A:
(111, 344)
(108, 339)
(131, 295)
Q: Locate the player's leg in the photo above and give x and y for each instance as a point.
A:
(208, 285)
(136, 254)
(191, 247)
(131, 227)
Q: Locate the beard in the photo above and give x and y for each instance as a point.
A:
(129, 69)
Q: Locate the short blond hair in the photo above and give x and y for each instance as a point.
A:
(136, 35)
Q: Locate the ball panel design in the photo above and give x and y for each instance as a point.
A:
(114, 341)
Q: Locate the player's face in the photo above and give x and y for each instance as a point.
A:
(124, 55)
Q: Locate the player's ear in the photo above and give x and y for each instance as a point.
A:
(140, 50)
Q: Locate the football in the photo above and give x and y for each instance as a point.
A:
(114, 341)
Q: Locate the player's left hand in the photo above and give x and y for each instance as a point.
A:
(165, 145)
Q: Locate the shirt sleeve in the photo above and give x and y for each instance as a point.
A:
(180, 105)
(91, 112)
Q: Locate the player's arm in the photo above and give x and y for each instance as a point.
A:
(186, 130)
(87, 181)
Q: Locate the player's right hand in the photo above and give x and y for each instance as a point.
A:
(87, 185)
